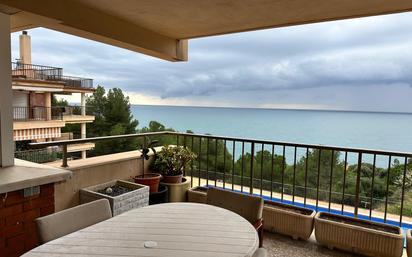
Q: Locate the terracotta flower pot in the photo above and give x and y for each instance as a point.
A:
(149, 179)
(172, 179)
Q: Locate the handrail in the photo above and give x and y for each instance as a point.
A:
(257, 141)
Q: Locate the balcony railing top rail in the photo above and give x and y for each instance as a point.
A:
(323, 176)
(37, 113)
(41, 72)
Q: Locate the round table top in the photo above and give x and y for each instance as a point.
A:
(172, 229)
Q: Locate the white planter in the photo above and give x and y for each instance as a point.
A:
(290, 220)
(197, 194)
(358, 236)
(137, 198)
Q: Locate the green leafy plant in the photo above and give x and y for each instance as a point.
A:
(171, 160)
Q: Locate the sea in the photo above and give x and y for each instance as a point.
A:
(372, 130)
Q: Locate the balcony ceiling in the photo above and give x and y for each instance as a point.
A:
(160, 27)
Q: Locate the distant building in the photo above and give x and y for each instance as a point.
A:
(35, 119)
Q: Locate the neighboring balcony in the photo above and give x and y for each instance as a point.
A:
(75, 114)
(37, 113)
(22, 71)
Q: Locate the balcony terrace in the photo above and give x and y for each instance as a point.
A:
(32, 72)
(226, 162)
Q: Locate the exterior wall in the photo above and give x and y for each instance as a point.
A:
(18, 232)
(95, 170)
(37, 99)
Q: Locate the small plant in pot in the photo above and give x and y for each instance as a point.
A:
(171, 161)
(149, 179)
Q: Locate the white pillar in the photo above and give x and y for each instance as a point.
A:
(6, 95)
(83, 103)
(83, 125)
(83, 135)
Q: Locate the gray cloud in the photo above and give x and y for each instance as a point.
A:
(351, 64)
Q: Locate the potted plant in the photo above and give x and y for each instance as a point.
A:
(150, 179)
(122, 195)
(171, 161)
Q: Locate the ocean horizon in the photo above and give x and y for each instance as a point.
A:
(359, 129)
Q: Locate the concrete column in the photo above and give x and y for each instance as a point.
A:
(83, 103)
(83, 135)
(83, 125)
(6, 95)
(47, 101)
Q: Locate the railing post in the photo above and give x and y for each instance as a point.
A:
(64, 165)
(252, 153)
(357, 192)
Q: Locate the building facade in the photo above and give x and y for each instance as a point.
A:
(35, 118)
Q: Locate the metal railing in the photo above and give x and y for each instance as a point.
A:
(36, 72)
(39, 155)
(365, 183)
(37, 113)
(40, 72)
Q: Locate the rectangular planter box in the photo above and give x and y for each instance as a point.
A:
(290, 220)
(139, 197)
(197, 194)
(358, 236)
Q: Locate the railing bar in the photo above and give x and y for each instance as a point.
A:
(372, 186)
(233, 164)
(306, 175)
(252, 162)
(191, 164)
(243, 167)
(261, 170)
(283, 171)
(344, 180)
(216, 162)
(184, 145)
(207, 161)
(331, 179)
(200, 160)
(357, 186)
(272, 170)
(318, 180)
(387, 188)
(294, 176)
(224, 164)
(403, 189)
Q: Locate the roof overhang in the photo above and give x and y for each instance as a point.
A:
(161, 28)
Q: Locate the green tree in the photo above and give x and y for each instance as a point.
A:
(113, 116)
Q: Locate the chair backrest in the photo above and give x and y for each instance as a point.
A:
(248, 206)
(70, 220)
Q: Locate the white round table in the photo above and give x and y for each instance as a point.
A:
(172, 229)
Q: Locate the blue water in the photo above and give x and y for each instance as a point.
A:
(383, 131)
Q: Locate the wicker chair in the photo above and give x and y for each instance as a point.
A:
(70, 220)
(248, 206)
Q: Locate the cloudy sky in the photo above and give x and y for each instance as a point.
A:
(358, 64)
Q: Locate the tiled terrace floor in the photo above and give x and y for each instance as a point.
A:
(283, 246)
